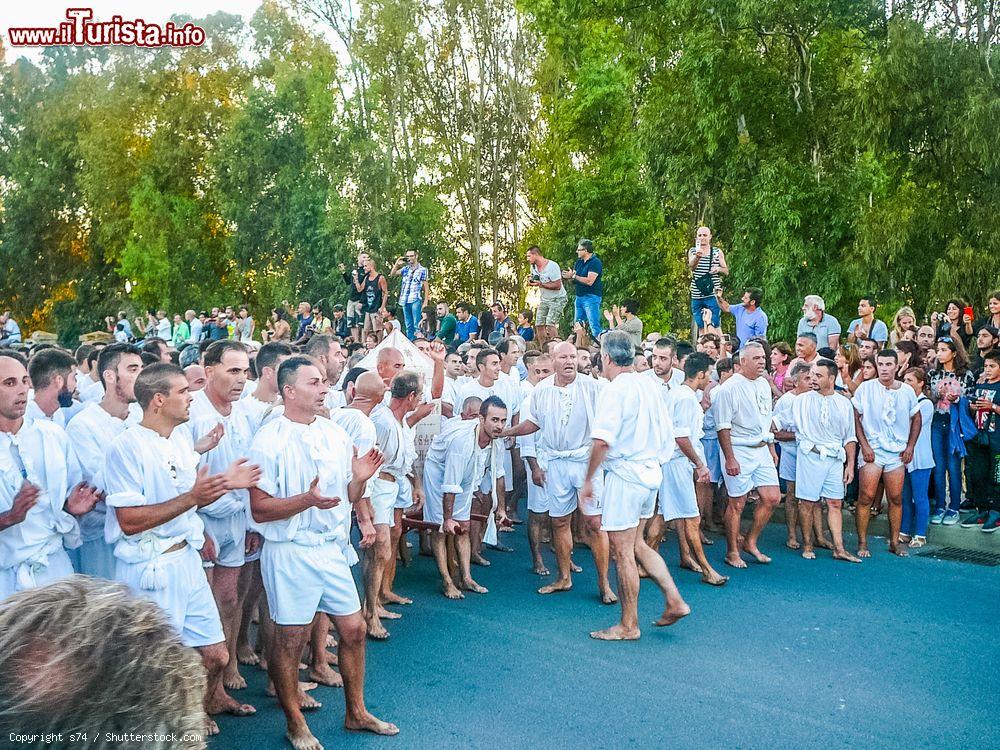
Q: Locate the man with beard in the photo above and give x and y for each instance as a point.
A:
(53, 378)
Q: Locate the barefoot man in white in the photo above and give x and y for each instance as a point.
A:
(632, 437)
(459, 457)
(743, 417)
(563, 410)
(887, 421)
(91, 432)
(825, 455)
(155, 488)
(310, 479)
(41, 496)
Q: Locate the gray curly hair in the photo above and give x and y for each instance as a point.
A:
(82, 655)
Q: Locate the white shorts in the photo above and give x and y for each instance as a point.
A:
(59, 567)
(713, 458)
(300, 581)
(434, 507)
(508, 470)
(625, 503)
(885, 460)
(384, 495)
(756, 470)
(404, 498)
(786, 461)
(94, 558)
(563, 480)
(186, 598)
(817, 477)
(230, 536)
(538, 500)
(677, 493)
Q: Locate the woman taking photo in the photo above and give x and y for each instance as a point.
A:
(949, 380)
(953, 322)
(916, 504)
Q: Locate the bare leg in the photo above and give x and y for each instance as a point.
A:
(250, 589)
(704, 492)
(769, 498)
(656, 532)
(836, 521)
(600, 548)
(893, 482)
(376, 558)
(352, 630)
(389, 577)
(820, 536)
(464, 550)
(282, 662)
(734, 510)
(622, 545)
(807, 510)
(792, 516)
(225, 588)
(868, 480)
(691, 529)
(688, 560)
(448, 586)
(674, 607)
(535, 522)
(319, 669)
(562, 537)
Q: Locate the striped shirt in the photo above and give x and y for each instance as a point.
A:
(412, 287)
(704, 266)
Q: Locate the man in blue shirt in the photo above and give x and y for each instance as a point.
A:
(750, 319)
(866, 327)
(818, 322)
(586, 277)
(467, 327)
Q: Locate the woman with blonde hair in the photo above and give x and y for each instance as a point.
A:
(848, 362)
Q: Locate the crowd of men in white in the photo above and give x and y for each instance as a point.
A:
(201, 499)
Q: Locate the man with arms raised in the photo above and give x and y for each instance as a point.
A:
(91, 432)
(155, 488)
(41, 495)
(825, 455)
(309, 480)
(743, 417)
(459, 457)
(631, 440)
(887, 421)
(563, 410)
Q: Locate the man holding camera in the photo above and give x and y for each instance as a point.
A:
(546, 276)
(707, 264)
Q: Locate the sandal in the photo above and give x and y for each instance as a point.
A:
(917, 542)
(904, 538)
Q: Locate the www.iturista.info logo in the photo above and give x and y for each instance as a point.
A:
(81, 29)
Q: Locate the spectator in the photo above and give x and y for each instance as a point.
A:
(486, 322)
(467, 326)
(123, 317)
(908, 353)
(949, 381)
(339, 325)
(412, 290)
(916, 504)
(589, 287)
(163, 325)
(279, 329)
(904, 320)
(10, 332)
(987, 340)
(925, 338)
(993, 312)
(195, 326)
(354, 296)
(428, 323)
(244, 326)
(624, 318)
(817, 321)
(805, 348)
(374, 297)
(304, 319)
(983, 460)
(151, 323)
(707, 264)
(321, 324)
(546, 276)
(956, 320)
(524, 329)
(781, 359)
(711, 345)
(751, 321)
(848, 360)
(502, 322)
(390, 321)
(181, 332)
(447, 326)
(866, 327)
(120, 336)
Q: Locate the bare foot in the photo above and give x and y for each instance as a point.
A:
(368, 723)
(331, 641)
(735, 560)
(270, 692)
(616, 633)
(326, 676)
(757, 555)
(691, 565)
(673, 614)
(332, 659)
(864, 552)
(556, 586)
(376, 630)
(390, 597)
(451, 591)
(824, 543)
(471, 585)
(225, 704)
(608, 597)
(233, 680)
(792, 544)
(308, 703)
(247, 656)
(477, 559)
(846, 557)
(706, 542)
(262, 664)
(808, 554)
(714, 579)
(540, 570)
(211, 728)
(574, 568)
(303, 739)
(899, 550)
(387, 614)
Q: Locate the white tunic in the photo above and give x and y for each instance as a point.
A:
(565, 416)
(34, 411)
(290, 455)
(91, 433)
(686, 418)
(456, 464)
(824, 424)
(391, 441)
(257, 412)
(503, 388)
(885, 414)
(676, 378)
(39, 453)
(235, 444)
(782, 418)
(635, 424)
(335, 399)
(144, 468)
(89, 390)
(744, 407)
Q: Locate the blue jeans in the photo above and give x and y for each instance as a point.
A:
(916, 505)
(947, 464)
(588, 308)
(411, 316)
(709, 303)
